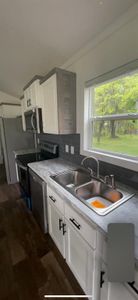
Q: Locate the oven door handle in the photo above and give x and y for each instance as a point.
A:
(21, 166)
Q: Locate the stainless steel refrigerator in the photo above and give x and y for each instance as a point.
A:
(13, 138)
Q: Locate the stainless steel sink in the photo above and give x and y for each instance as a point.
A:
(72, 178)
(94, 193)
(100, 197)
(97, 188)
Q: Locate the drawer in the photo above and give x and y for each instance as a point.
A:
(55, 199)
(77, 221)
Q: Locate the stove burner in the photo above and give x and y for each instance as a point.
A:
(28, 158)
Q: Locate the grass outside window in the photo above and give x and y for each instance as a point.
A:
(114, 115)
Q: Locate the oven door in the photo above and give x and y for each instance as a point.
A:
(23, 177)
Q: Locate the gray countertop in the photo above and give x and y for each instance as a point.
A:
(50, 167)
(127, 212)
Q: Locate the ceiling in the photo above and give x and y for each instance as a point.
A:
(37, 35)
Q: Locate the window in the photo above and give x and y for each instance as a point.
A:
(112, 113)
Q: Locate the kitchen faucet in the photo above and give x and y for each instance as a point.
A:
(97, 163)
(108, 179)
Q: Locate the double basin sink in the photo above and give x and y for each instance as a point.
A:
(93, 192)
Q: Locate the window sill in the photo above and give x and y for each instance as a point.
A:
(113, 159)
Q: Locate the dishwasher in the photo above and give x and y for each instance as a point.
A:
(38, 200)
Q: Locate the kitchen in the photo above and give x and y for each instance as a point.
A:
(56, 130)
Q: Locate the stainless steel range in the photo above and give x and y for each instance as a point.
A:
(46, 151)
(33, 187)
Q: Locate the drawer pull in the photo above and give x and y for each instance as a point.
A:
(75, 223)
(131, 284)
(60, 225)
(101, 279)
(52, 198)
(63, 227)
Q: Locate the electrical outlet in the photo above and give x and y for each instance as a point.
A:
(67, 148)
(72, 149)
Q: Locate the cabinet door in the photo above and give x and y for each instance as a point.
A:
(80, 258)
(38, 94)
(32, 92)
(55, 220)
(49, 111)
(27, 99)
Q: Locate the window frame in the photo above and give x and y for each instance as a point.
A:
(115, 158)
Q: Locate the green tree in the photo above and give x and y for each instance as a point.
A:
(116, 97)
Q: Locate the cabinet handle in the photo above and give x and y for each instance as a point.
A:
(75, 223)
(28, 102)
(52, 198)
(63, 227)
(131, 284)
(60, 224)
(101, 279)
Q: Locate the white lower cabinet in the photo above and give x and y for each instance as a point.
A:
(79, 257)
(81, 245)
(56, 227)
(75, 249)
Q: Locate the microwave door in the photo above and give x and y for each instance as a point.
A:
(37, 121)
(33, 121)
(28, 121)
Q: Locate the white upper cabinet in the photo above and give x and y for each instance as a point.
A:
(59, 102)
(55, 94)
(32, 94)
(50, 110)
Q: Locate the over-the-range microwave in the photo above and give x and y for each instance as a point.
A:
(33, 120)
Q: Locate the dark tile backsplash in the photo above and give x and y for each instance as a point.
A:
(123, 175)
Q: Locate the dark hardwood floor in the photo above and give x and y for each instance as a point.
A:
(2, 174)
(30, 264)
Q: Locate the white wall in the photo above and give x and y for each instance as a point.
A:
(8, 98)
(112, 50)
(9, 111)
